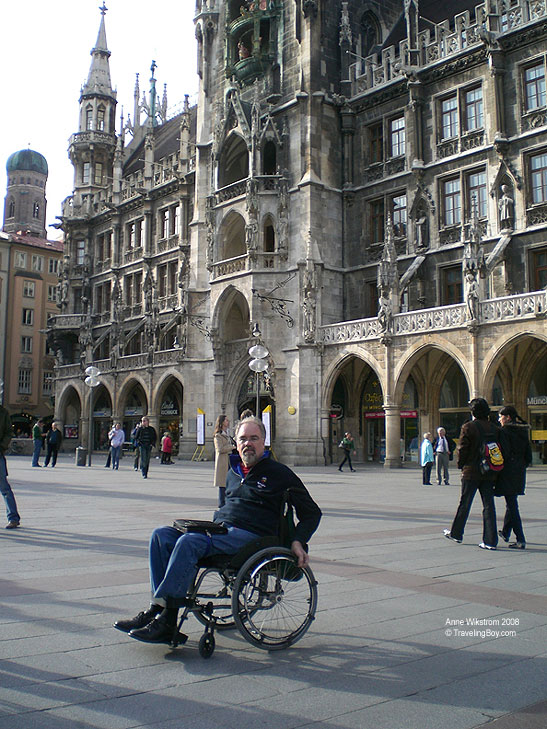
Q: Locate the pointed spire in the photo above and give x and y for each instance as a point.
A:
(98, 80)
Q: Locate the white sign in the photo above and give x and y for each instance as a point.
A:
(200, 427)
(266, 420)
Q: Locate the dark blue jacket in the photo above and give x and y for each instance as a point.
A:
(254, 502)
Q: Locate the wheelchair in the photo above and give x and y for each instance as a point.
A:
(260, 590)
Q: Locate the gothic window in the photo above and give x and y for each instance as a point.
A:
(162, 281)
(376, 208)
(269, 159)
(539, 269)
(89, 118)
(534, 87)
(80, 252)
(370, 34)
(174, 218)
(269, 236)
(473, 109)
(11, 209)
(232, 237)
(36, 210)
(398, 213)
(86, 173)
(452, 289)
(100, 118)
(476, 193)
(449, 117)
(98, 173)
(397, 136)
(538, 177)
(452, 201)
(164, 223)
(234, 162)
(376, 143)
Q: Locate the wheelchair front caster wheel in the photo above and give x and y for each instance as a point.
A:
(206, 645)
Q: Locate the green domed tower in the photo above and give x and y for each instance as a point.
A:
(25, 202)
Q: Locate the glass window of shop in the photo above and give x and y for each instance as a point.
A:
(537, 412)
(171, 414)
(454, 402)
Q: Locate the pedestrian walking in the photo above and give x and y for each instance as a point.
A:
(348, 446)
(426, 459)
(471, 438)
(146, 439)
(223, 448)
(166, 448)
(117, 439)
(441, 448)
(9, 499)
(517, 455)
(54, 439)
(38, 442)
(135, 446)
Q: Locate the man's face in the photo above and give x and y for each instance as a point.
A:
(250, 443)
(145, 422)
(442, 432)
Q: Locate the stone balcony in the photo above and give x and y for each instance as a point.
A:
(442, 318)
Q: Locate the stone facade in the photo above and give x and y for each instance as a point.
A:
(365, 182)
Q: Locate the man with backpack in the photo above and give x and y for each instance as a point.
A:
(479, 473)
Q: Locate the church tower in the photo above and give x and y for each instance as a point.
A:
(25, 203)
(91, 149)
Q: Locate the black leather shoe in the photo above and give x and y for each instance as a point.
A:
(502, 535)
(517, 545)
(140, 620)
(159, 631)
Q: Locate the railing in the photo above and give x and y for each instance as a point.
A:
(230, 265)
(167, 244)
(66, 321)
(440, 43)
(236, 189)
(351, 331)
(520, 306)
(441, 318)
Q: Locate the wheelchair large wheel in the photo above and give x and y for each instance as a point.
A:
(213, 587)
(274, 600)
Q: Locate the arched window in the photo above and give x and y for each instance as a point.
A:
(269, 236)
(370, 34)
(11, 209)
(234, 162)
(36, 210)
(89, 117)
(269, 158)
(100, 118)
(232, 237)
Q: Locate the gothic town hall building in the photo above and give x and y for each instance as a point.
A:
(361, 185)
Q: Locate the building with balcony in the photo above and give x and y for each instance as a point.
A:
(366, 183)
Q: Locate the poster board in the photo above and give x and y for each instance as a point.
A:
(200, 427)
(267, 421)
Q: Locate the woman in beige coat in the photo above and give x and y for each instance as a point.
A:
(223, 447)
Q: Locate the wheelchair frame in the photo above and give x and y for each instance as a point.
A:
(260, 590)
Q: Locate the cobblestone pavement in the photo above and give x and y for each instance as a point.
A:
(411, 631)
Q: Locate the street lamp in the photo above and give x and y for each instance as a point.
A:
(258, 364)
(92, 380)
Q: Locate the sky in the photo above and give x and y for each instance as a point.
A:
(45, 57)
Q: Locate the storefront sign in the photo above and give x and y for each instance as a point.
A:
(539, 400)
(539, 435)
(168, 408)
(381, 414)
(133, 411)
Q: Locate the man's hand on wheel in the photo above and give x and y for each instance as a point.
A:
(300, 553)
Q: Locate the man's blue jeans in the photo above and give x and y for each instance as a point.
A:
(115, 450)
(37, 451)
(7, 493)
(174, 557)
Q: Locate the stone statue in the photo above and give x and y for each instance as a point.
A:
(385, 313)
(472, 296)
(506, 208)
(421, 231)
(308, 308)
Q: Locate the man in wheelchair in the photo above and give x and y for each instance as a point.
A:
(256, 488)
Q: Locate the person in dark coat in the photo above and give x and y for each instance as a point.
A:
(471, 436)
(512, 479)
